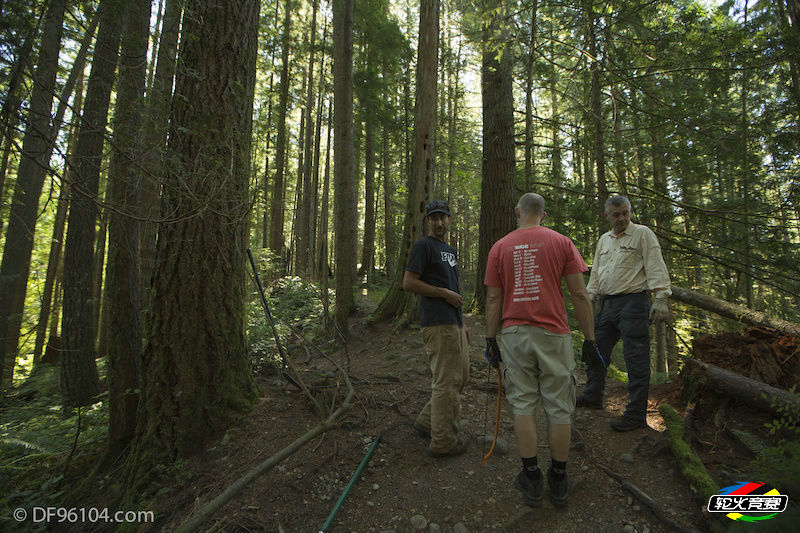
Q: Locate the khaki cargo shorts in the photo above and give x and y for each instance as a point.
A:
(539, 368)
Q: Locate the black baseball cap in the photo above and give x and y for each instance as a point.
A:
(437, 206)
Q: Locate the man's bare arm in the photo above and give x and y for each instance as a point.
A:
(412, 283)
(582, 303)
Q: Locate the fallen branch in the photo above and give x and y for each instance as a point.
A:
(646, 499)
(228, 494)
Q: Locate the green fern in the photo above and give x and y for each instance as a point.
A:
(23, 444)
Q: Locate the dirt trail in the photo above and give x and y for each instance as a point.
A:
(402, 487)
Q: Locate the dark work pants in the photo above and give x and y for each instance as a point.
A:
(625, 317)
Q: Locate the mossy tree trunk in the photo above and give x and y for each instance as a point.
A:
(122, 296)
(196, 375)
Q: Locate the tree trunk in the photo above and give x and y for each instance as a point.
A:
(276, 243)
(196, 373)
(530, 154)
(22, 61)
(760, 395)
(734, 311)
(388, 227)
(153, 141)
(25, 203)
(57, 239)
(79, 379)
(423, 162)
(368, 249)
(314, 206)
(598, 148)
(345, 215)
(303, 232)
(122, 325)
(498, 170)
(322, 236)
(74, 84)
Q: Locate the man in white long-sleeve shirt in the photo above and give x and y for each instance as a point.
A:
(628, 268)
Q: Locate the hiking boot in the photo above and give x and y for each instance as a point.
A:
(583, 402)
(422, 430)
(458, 448)
(559, 490)
(624, 423)
(530, 490)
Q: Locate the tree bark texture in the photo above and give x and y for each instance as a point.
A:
(153, 142)
(35, 159)
(498, 169)
(195, 369)
(79, 378)
(122, 295)
(344, 194)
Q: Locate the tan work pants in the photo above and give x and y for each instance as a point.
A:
(446, 348)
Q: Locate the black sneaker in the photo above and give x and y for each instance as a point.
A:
(530, 490)
(580, 401)
(559, 489)
(624, 423)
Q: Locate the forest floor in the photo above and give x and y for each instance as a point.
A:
(402, 488)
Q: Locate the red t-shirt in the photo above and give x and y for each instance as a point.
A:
(528, 265)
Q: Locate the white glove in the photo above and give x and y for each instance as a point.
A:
(659, 311)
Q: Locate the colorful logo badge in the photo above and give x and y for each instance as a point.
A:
(749, 502)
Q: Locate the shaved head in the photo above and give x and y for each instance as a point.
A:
(531, 204)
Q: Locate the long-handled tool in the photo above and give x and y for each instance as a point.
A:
(349, 486)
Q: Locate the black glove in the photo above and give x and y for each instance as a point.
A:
(590, 354)
(492, 353)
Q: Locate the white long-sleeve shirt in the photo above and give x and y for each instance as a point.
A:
(628, 263)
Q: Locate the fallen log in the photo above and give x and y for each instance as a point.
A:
(760, 395)
(692, 468)
(741, 313)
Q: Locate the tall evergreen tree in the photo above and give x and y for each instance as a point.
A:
(196, 375)
(35, 160)
(345, 216)
(79, 378)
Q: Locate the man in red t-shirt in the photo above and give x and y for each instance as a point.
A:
(523, 279)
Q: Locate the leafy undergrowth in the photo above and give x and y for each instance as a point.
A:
(40, 459)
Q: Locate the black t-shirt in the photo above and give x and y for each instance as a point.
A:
(437, 265)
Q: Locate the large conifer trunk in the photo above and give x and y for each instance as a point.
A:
(195, 369)
(497, 175)
(79, 379)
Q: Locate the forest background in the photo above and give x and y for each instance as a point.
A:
(146, 146)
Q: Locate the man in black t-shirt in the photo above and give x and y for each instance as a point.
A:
(432, 272)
